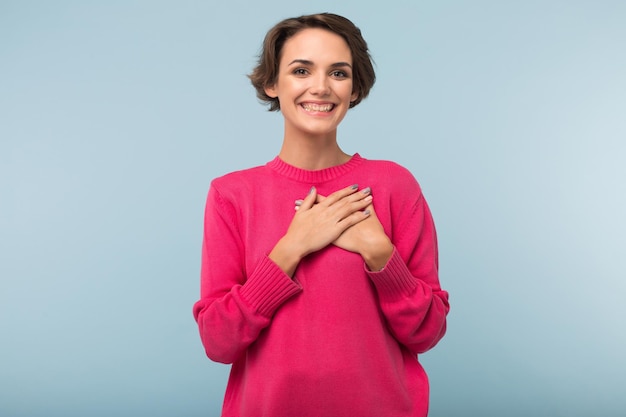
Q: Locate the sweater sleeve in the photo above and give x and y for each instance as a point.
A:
(235, 305)
(410, 295)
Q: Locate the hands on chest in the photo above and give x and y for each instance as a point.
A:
(345, 218)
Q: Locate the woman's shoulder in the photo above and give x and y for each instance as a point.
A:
(392, 173)
(239, 177)
(388, 165)
(235, 184)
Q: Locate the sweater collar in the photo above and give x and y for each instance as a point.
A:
(316, 176)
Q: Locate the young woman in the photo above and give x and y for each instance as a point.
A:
(321, 310)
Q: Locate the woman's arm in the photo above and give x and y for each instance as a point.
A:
(235, 305)
(408, 286)
(404, 272)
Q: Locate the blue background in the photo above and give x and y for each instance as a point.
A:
(115, 116)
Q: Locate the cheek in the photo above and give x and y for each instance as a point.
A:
(347, 92)
(294, 86)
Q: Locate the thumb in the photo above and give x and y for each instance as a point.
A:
(309, 200)
(319, 198)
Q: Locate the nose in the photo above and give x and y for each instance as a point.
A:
(320, 85)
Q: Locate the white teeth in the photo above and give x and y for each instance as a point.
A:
(318, 107)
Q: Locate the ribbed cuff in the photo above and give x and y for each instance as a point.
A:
(394, 280)
(268, 287)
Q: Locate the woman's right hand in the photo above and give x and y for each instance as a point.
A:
(315, 226)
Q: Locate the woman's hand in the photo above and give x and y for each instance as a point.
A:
(317, 224)
(367, 238)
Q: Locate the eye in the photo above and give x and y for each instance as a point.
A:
(339, 74)
(300, 71)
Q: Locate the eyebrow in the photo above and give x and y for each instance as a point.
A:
(310, 63)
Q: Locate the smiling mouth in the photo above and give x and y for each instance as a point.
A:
(312, 107)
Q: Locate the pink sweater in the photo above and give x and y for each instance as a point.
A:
(336, 340)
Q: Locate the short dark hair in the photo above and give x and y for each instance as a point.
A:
(265, 74)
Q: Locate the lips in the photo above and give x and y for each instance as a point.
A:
(317, 107)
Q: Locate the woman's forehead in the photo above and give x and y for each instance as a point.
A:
(315, 44)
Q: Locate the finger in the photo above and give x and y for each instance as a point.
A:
(361, 195)
(320, 198)
(371, 210)
(340, 194)
(361, 205)
(354, 218)
(365, 192)
(345, 209)
(309, 200)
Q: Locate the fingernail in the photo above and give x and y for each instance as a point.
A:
(355, 186)
(366, 190)
(312, 189)
(299, 202)
(366, 212)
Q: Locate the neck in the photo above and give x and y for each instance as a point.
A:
(312, 153)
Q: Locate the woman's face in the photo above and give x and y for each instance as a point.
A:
(314, 85)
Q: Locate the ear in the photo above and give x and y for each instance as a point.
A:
(354, 96)
(271, 91)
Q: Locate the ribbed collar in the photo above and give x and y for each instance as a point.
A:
(317, 176)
